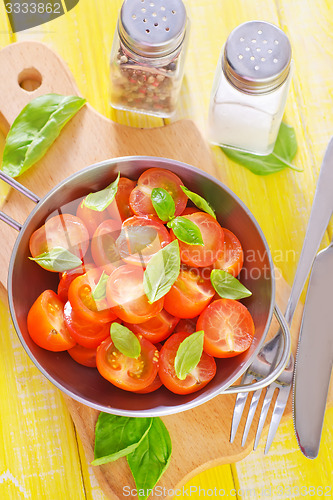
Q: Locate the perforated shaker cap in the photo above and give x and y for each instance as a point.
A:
(152, 28)
(257, 57)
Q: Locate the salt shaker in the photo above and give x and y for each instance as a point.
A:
(148, 55)
(250, 88)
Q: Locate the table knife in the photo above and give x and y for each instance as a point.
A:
(314, 356)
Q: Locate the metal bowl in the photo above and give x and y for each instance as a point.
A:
(26, 281)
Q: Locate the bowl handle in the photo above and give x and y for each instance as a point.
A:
(285, 348)
(16, 185)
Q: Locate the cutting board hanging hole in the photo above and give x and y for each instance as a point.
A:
(30, 79)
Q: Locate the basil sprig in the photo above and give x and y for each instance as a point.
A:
(99, 291)
(284, 151)
(189, 354)
(163, 204)
(227, 286)
(35, 129)
(186, 230)
(161, 272)
(199, 201)
(100, 200)
(125, 341)
(58, 259)
(150, 458)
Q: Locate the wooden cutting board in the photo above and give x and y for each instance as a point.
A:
(200, 437)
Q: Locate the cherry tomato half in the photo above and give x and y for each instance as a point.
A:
(103, 246)
(157, 328)
(83, 356)
(140, 239)
(190, 293)
(86, 333)
(120, 208)
(186, 325)
(196, 380)
(126, 296)
(82, 301)
(67, 277)
(231, 257)
(46, 325)
(212, 235)
(91, 218)
(130, 374)
(228, 327)
(65, 230)
(140, 198)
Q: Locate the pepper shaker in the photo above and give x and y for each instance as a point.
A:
(250, 88)
(148, 55)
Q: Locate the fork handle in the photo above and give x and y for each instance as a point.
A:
(273, 375)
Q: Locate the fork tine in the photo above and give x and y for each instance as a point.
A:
(279, 408)
(239, 407)
(263, 414)
(252, 410)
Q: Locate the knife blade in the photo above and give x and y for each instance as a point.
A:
(314, 356)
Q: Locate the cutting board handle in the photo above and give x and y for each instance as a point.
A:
(30, 70)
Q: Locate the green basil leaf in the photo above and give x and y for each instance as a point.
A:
(151, 458)
(58, 259)
(189, 354)
(116, 436)
(99, 292)
(35, 129)
(227, 286)
(199, 201)
(161, 272)
(284, 152)
(186, 230)
(100, 200)
(163, 203)
(125, 341)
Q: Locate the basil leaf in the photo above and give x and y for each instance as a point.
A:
(284, 152)
(227, 286)
(100, 200)
(151, 458)
(199, 201)
(161, 272)
(35, 129)
(163, 204)
(99, 292)
(58, 259)
(125, 341)
(186, 230)
(189, 354)
(117, 436)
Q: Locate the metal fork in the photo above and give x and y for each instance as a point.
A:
(319, 218)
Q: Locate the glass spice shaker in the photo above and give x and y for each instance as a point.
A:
(250, 88)
(148, 55)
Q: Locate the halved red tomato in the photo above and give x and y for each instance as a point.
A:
(231, 257)
(120, 208)
(91, 218)
(157, 328)
(212, 235)
(82, 301)
(46, 325)
(130, 374)
(126, 296)
(228, 327)
(103, 246)
(86, 333)
(190, 293)
(140, 239)
(83, 356)
(196, 380)
(189, 211)
(186, 325)
(67, 277)
(140, 197)
(65, 230)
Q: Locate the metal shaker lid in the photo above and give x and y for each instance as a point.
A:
(152, 28)
(257, 57)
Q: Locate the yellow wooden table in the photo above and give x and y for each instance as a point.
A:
(40, 455)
